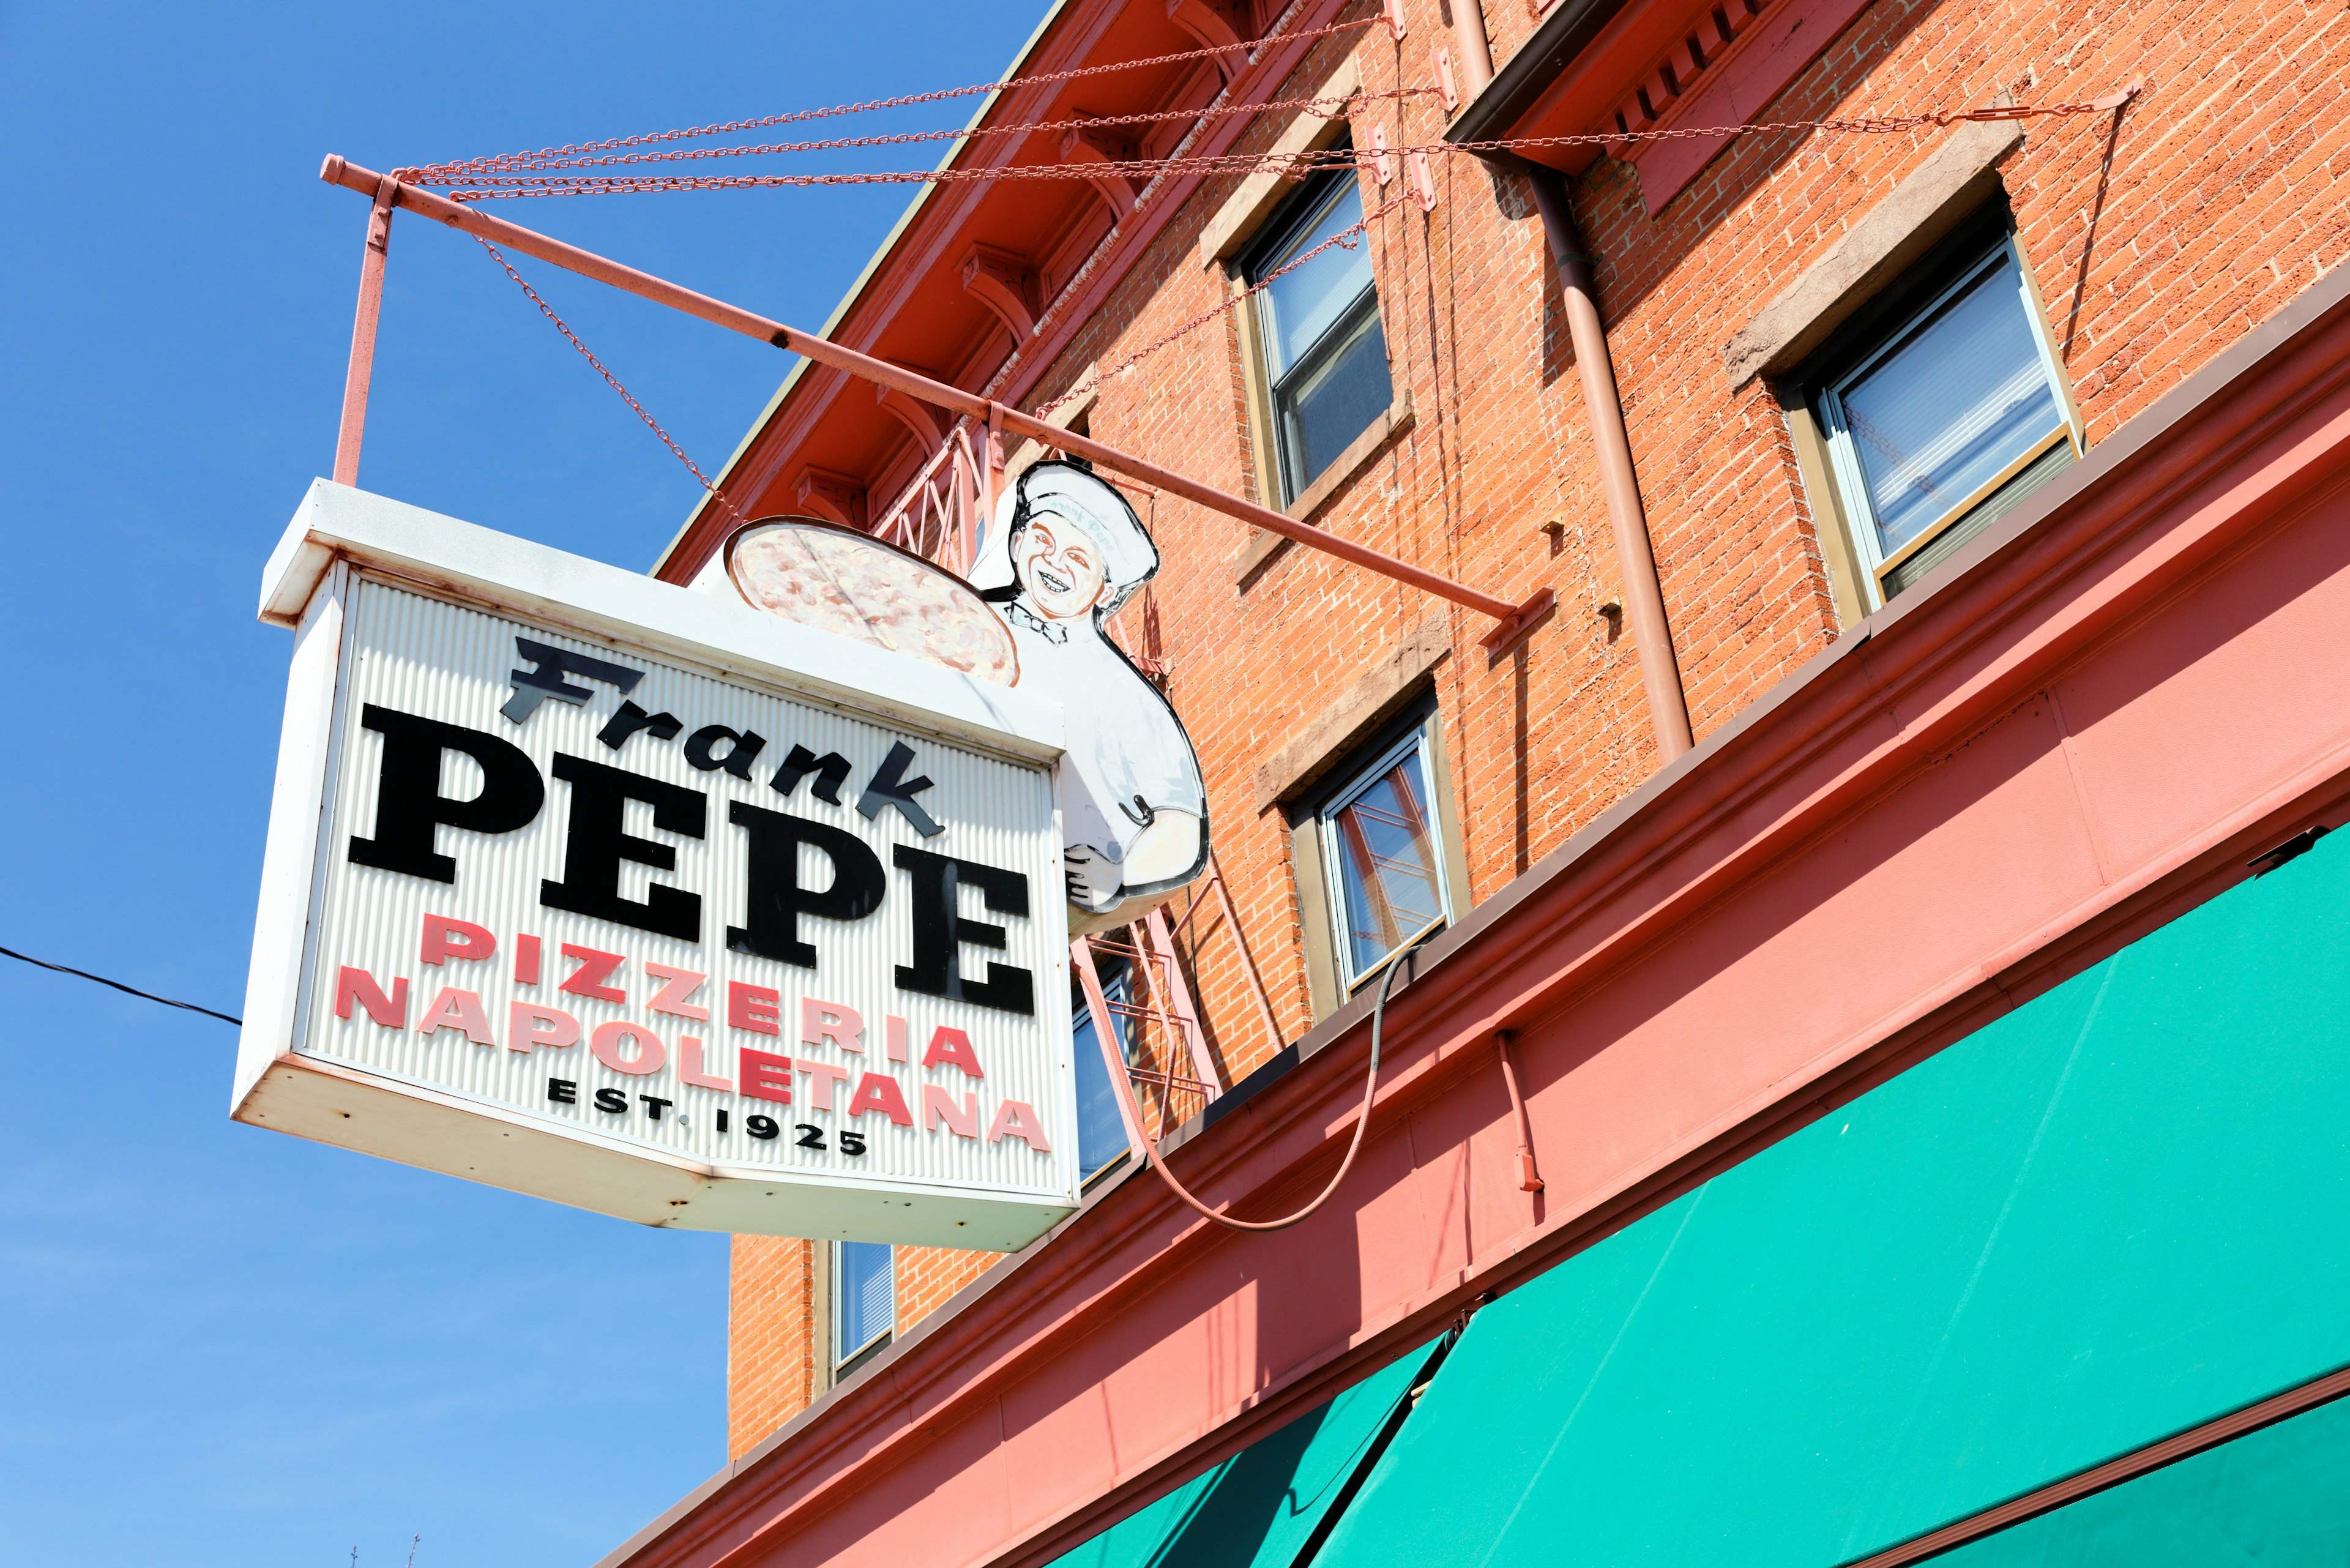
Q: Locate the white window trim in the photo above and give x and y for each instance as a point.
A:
(843, 1355)
(1417, 742)
(1850, 481)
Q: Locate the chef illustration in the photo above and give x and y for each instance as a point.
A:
(1134, 810)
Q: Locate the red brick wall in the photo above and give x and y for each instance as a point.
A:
(927, 1276)
(2223, 203)
(771, 1338)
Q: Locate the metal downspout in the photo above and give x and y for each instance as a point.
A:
(1469, 42)
(1635, 560)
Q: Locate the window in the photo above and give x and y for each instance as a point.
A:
(1101, 1129)
(1323, 357)
(1940, 422)
(864, 1301)
(1383, 857)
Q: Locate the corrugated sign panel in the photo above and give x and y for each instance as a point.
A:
(622, 1021)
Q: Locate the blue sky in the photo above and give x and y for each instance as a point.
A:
(228, 1347)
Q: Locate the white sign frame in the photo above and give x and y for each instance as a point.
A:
(344, 552)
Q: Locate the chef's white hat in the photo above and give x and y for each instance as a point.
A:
(1069, 491)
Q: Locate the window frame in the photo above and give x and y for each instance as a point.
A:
(1415, 742)
(846, 1359)
(1872, 564)
(1286, 227)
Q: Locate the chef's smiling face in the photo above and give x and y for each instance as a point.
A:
(1059, 567)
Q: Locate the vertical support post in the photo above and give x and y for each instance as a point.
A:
(963, 498)
(370, 308)
(992, 461)
(1529, 1176)
(1636, 558)
(1469, 42)
(1097, 1007)
(1159, 941)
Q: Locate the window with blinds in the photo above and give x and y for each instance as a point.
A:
(1946, 420)
(864, 1301)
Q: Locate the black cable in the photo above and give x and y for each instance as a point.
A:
(131, 990)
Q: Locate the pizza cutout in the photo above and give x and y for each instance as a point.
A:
(852, 585)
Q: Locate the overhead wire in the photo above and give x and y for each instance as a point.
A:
(118, 985)
(1123, 1084)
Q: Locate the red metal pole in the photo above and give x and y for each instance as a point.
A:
(362, 365)
(1469, 42)
(1515, 620)
(1529, 1175)
(990, 490)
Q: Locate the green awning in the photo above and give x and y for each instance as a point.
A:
(2115, 1213)
(1260, 1508)
(2279, 1498)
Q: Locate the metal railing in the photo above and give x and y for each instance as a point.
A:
(938, 515)
(1164, 1038)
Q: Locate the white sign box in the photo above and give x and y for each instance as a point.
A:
(596, 887)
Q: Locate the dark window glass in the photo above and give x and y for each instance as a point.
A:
(1383, 860)
(1101, 1130)
(1325, 356)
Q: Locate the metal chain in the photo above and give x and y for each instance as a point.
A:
(495, 187)
(609, 380)
(1328, 107)
(505, 160)
(1295, 165)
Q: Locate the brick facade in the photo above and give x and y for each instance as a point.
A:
(2222, 201)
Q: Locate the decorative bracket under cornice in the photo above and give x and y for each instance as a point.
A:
(835, 497)
(1103, 150)
(1006, 284)
(915, 415)
(1217, 25)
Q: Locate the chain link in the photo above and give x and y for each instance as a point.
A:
(609, 380)
(1326, 107)
(499, 162)
(498, 187)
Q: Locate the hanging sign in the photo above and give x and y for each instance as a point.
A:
(599, 889)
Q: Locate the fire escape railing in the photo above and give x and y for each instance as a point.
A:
(1169, 1049)
(938, 516)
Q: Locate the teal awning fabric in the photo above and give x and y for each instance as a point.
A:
(2279, 1498)
(1259, 1508)
(2119, 1211)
